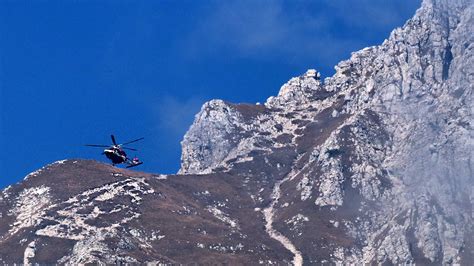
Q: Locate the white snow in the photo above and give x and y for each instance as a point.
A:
(161, 177)
(37, 172)
(30, 207)
(72, 224)
(222, 216)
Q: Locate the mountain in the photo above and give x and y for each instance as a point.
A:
(371, 165)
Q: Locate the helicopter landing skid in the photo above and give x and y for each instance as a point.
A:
(133, 165)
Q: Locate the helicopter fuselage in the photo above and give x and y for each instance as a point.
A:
(116, 155)
(116, 152)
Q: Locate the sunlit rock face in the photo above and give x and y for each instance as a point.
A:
(372, 165)
(209, 141)
(387, 139)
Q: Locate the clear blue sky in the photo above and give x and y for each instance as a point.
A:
(73, 72)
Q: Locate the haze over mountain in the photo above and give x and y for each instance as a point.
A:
(371, 165)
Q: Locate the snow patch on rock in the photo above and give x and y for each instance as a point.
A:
(222, 216)
(30, 207)
(29, 253)
(76, 213)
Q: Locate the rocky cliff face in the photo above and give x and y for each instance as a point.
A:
(389, 135)
(372, 165)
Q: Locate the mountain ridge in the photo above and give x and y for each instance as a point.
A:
(373, 165)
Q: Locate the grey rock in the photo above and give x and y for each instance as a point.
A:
(373, 165)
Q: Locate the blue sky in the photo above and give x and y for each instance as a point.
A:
(73, 72)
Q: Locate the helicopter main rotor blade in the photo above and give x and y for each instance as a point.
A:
(95, 145)
(131, 141)
(113, 139)
(132, 149)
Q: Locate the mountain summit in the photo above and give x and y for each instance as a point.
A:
(371, 165)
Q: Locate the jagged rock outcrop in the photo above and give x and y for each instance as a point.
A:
(400, 141)
(373, 165)
(214, 134)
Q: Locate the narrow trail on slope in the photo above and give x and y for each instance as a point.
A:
(268, 214)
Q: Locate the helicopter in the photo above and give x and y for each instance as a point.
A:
(116, 152)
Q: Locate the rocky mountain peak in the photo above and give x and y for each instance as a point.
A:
(373, 165)
(297, 90)
(207, 142)
(395, 112)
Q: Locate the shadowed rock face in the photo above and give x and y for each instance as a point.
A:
(372, 165)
